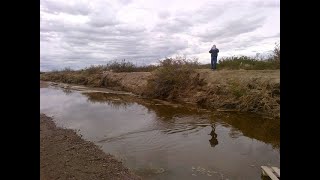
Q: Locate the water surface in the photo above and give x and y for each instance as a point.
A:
(163, 141)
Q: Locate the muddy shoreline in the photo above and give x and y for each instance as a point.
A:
(65, 155)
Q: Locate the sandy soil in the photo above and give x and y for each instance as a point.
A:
(65, 155)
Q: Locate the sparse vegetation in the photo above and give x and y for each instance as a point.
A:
(172, 77)
(247, 63)
(235, 62)
(252, 63)
(271, 62)
(183, 79)
(125, 66)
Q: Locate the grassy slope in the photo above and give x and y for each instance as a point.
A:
(240, 90)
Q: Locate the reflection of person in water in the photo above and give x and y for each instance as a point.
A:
(213, 141)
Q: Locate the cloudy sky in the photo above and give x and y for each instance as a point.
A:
(80, 33)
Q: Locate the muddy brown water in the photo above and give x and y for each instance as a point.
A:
(163, 141)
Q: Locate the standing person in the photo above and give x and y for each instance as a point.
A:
(214, 55)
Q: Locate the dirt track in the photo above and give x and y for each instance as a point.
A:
(64, 155)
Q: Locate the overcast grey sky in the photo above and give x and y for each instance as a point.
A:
(80, 33)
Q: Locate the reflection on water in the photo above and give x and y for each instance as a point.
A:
(253, 126)
(112, 100)
(213, 141)
(166, 141)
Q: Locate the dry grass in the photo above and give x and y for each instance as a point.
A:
(73, 77)
(172, 78)
(238, 90)
(185, 80)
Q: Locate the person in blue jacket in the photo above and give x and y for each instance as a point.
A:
(214, 56)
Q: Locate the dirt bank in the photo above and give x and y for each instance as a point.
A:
(226, 90)
(64, 155)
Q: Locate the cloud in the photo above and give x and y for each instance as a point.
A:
(164, 14)
(104, 14)
(78, 33)
(232, 28)
(68, 7)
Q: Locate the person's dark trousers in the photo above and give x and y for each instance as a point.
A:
(213, 62)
